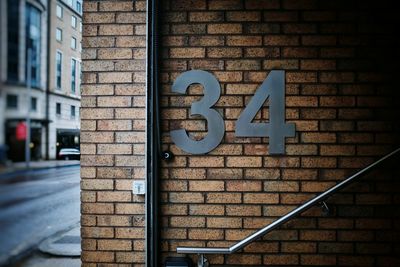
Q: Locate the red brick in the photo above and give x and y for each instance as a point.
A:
(300, 4)
(319, 260)
(300, 52)
(318, 137)
(337, 101)
(188, 29)
(318, 64)
(225, 5)
(337, 150)
(224, 198)
(262, 4)
(282, 16)
(318, 235)
(206, 162)
(243, 40)
(243, 186)
(299, 174)
(205, 16)
(244, 259)
(208, 186)
(301, 77)
(243, 16)
(316, 186)
(318, 162)
(206, 234)
(224, 52)
(299, 28)
(206, 209)
(281, 259)
(95, 256)
(299, 247)
(248, 210)
(244, 161)
(313, 40)
(281, 186)
(261, 52)
(186, 197)
(281, 40)
(281, 64)
(260, 198)
(187, 52)
(226, 28)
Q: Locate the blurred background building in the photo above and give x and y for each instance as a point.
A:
(64, 74)
(52, 31)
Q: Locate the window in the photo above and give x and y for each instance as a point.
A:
(73, 43)
(78, 7)
(74, 22)
(59, 11)
(58, 109)
(80, 26)
(59, 34)
(12, 101)
(33, 38)
(72, 112)
(33, 104)
(58, 69)
(73, 76)
(80, 75)
(13, 40)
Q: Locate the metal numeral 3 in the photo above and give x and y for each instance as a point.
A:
(215, 122)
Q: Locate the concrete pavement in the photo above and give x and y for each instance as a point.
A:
(35, 205)
(44, 260)
(62, 249)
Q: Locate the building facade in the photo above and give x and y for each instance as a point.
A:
(64, 75)
(52, 31)
(24, 26)
(320, 75)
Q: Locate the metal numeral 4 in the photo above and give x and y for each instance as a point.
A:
(276, 129)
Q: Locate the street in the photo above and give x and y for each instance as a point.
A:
(35, 205)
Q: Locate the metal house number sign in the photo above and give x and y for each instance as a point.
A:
(273, 88)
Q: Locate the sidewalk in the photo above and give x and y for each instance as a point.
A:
(62, 249)
(35, 165)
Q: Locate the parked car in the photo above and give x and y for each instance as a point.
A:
(69, 153)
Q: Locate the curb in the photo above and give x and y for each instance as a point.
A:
(59, 245)
(7, 174)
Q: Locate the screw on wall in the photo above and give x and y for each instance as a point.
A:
(167, 155)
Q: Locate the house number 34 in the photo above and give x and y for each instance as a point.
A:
(273, 88)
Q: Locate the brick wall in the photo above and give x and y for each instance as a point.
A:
(340, 59)
(113, 132)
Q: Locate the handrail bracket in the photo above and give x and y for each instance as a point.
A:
(325, 208)
(202, 261)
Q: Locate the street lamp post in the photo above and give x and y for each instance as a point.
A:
(28, 118)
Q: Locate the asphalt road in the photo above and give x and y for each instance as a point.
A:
(34, 206)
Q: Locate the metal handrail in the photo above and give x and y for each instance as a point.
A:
(287, 217)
